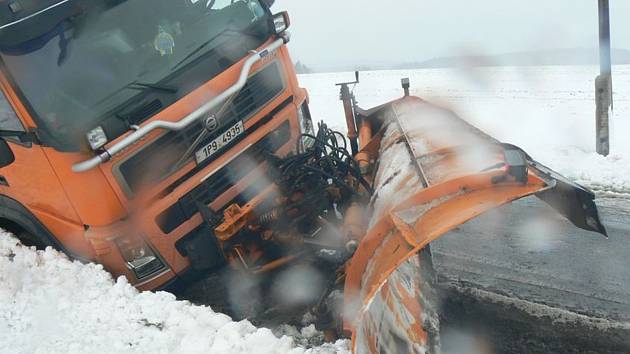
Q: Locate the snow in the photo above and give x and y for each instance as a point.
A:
(395, 178)
(548, 111)
(49, 304)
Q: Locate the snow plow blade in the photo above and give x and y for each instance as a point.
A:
(434, 173)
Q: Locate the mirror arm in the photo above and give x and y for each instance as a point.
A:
(24, 137)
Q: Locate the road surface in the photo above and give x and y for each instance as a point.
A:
(525, 274)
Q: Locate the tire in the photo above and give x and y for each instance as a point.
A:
(26, 238)
(29, 239)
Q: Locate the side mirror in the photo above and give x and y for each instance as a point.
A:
(6, 154)
(281, 22)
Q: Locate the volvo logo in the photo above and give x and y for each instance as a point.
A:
(211, 123)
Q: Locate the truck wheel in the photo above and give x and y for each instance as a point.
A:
(29, 239)
(26, 238)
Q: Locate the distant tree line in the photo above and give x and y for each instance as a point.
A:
(302, 69)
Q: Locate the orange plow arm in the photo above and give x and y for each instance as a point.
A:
(436, 172)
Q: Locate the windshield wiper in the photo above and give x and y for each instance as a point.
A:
(205, 44)
(141, 86)
(132, 110)
(157, 87)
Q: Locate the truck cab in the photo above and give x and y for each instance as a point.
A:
(127, 124)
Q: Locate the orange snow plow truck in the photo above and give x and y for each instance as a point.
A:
(165, 138)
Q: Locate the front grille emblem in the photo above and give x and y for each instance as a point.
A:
(211, 123)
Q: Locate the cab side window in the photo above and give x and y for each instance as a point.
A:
(8, 118)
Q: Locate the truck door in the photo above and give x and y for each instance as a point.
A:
(31, 182)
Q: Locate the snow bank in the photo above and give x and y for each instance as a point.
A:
(548, 111)
(49, 304)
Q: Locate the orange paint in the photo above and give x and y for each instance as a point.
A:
(458, 191)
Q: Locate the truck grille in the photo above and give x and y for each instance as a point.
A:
(152, 163)
(224, 179)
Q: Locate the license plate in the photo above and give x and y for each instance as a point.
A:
(222, 140)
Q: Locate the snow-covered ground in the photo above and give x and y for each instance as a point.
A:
(547, 111)
(49, 304)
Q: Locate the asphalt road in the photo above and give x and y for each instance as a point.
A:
(532, 277)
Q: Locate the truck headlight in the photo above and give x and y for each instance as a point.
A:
(140, 258)
(96, 138)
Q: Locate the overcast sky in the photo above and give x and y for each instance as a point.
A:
(337, 32)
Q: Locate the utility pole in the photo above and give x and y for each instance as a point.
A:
(603, 82)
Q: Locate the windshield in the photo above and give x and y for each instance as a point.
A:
(117, 62)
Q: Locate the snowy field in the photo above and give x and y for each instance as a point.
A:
(547, 111)
(51, 305)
